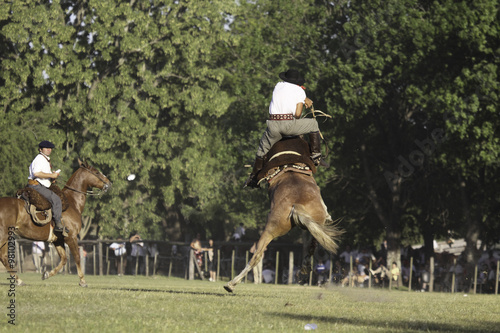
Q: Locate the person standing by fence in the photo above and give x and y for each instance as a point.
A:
(38, 252)
(120, 256)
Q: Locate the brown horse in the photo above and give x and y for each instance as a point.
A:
(14, 220)
(295, 201)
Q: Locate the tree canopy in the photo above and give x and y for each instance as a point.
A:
(176, 93)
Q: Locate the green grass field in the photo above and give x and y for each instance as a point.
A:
(140, 304)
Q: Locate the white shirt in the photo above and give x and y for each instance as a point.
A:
(119, 249)
(286, 96)
(40, 164)
(38, 247)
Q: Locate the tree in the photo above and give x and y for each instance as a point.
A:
(390, 75)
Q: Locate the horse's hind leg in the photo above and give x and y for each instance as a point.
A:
(73, 247)
(264, 240)
(62, 255)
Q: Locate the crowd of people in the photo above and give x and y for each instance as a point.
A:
(370, 265)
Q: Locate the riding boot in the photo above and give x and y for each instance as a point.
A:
(252, 179)
(315, 143)
(60, 228)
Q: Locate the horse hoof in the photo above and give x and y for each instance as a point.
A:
(228, 288)
(83, 284)
(45, 276)
(21, 283)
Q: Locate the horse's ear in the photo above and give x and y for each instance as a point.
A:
(80, 163)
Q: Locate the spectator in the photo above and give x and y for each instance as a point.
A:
(268, 273)
(346, 256)
(211, 261)
(395, 274)
(321, 272)
(152, 252)
(138, 255)
(424, 278)
(198, 252)
(38, 251)
(120, 256)
(239, 233)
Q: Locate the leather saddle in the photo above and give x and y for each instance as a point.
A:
(37, 206)
(290, 154)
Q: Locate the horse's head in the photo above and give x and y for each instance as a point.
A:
(95, 178)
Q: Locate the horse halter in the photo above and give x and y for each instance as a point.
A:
(91, 192)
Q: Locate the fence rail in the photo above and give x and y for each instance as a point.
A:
(176, 259)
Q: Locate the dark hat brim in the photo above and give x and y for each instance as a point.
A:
(298, 80)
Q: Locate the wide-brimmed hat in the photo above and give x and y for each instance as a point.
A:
(46, 144)
(292, 76)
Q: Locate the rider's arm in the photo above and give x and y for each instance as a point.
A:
(300, 106)
(41, 174)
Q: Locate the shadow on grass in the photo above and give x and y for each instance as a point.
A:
(418, 325)
(167, 291)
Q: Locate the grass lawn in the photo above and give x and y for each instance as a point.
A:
(160, 304)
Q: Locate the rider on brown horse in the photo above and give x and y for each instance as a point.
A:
(40, 178)
(285, 110)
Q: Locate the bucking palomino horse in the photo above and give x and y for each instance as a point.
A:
(15, 221)
(295, 201)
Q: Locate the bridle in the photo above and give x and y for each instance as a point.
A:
(91, 192)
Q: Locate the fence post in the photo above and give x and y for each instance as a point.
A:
(475, 279)
(369, 274)
(191, 264)
(100, 257)
(276, 267)
(93, 257)
(51, 255)
(350, 274)
(290, 268)
(218, 265)
(311, 272)
(453, 276)
(18, 256)
(107, 260)
(431, 273)
(154, 263)
(232, 264)
(411, 274)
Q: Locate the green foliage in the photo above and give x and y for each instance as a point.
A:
(177, 92)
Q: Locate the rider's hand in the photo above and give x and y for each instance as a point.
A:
(308, 102)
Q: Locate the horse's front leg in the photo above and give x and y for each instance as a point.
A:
(264, 240)
(59, 245)
(73, 247)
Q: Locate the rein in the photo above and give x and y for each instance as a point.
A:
(91, 192)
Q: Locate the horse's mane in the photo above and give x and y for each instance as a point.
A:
(288, 151)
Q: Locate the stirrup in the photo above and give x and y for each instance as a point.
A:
(64, 230)
(251, 182)
(318, 160)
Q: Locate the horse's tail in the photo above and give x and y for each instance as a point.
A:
(327, 234)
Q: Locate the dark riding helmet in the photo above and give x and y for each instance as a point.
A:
(46, 144)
